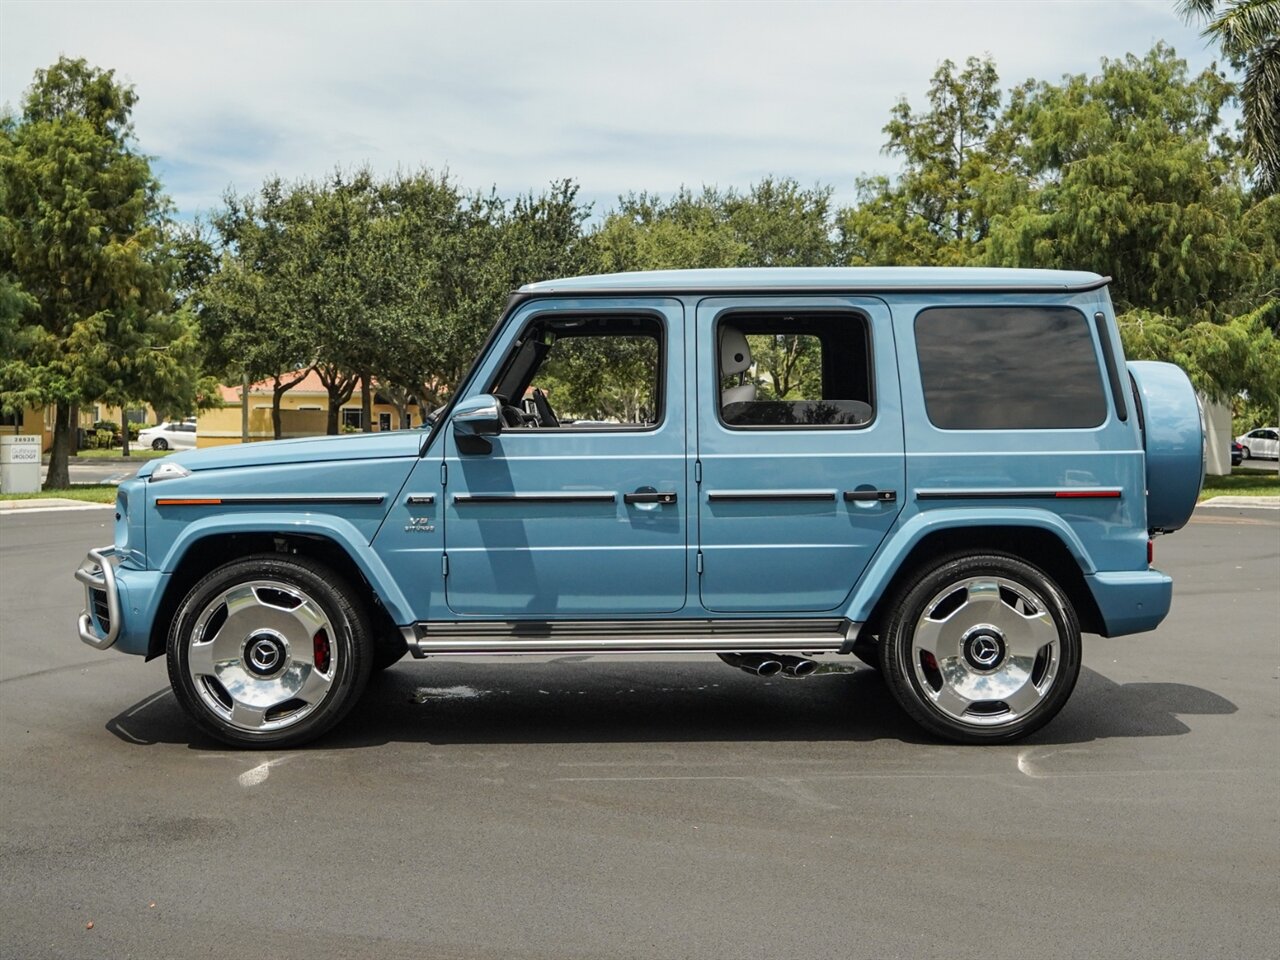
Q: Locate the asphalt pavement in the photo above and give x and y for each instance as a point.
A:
(577, 808)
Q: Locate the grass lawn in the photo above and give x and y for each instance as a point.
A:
(135, 453)
(1243, 482)
(92, 492)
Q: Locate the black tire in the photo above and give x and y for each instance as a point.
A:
(1039, 638)
(159, 443)
(282, 603)
(1244, 452)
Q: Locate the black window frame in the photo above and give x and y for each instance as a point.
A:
(1105, 408)
(663, 337)
(778, 313)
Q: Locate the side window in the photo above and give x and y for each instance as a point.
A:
(1009, 368)
(794, 370)
(585, 373)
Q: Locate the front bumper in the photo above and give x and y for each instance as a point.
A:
(99, 624)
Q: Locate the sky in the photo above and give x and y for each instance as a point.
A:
(619, 96)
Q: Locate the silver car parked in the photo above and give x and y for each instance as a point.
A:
(169, 436)
(1260, 444)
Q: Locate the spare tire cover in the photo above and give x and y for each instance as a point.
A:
(1173, 435)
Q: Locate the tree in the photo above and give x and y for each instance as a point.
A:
(81, 234)
(1248, 32)
(787, 366)
(1125, 177)
(333, 281)
(775, 223)
(648, 233)
(250, 334)
(442, 243)
(1237, 361)
(938, 210)
(476, 256)
(1130, 173)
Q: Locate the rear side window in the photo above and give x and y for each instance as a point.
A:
(1009, 368)
(794, 370)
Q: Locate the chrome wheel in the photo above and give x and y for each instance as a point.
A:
(262, 655)
(986, 650)
(982, 648)
(159, 443)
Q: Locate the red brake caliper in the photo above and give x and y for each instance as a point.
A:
(321, 644)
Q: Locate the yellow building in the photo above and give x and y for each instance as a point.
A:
(40, 420)
(303, 413)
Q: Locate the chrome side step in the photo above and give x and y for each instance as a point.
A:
(507, 637)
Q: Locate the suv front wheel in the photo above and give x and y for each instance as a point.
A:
(270, 650)
(982, 649)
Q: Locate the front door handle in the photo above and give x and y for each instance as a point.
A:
(649, 496)
(883, 496)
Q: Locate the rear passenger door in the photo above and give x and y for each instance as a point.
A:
(799, 483)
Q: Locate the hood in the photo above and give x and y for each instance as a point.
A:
(353, 446)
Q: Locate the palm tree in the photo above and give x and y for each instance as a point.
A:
(1248, 33)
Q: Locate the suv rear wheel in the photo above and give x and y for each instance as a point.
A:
(982, 649)
(270, 650)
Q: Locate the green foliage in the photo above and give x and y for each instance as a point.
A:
(938, 210)
(90, 493)
(1248, 32)
(1128, 172)
(240, 287)
(776, 223)
(611, 378)
(786, 366)
(1241, 483)
(395, 281)
(83, 244)
(1226, 361)
(1125, 179)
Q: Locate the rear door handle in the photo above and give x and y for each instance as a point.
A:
(653, 496)
(883, 496)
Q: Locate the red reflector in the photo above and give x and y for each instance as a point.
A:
(321, 644)
(1151, 552)
(1093, 494)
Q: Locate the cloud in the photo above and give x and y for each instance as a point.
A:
(619, 96)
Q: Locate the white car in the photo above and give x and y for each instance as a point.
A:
(1261, 444)
(169, 436)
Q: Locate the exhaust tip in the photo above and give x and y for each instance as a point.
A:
(757, 664)
(801, 668)
(767, 668)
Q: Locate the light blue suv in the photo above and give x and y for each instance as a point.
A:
(947, 473)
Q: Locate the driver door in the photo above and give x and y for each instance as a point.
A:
(578, 508)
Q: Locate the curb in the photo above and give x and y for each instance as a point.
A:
(90, 461)
(1255, 503)
(48, 505)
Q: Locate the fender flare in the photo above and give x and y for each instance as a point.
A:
(904, 538)
(341, 532)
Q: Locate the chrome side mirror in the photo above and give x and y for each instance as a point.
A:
(474, 420)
